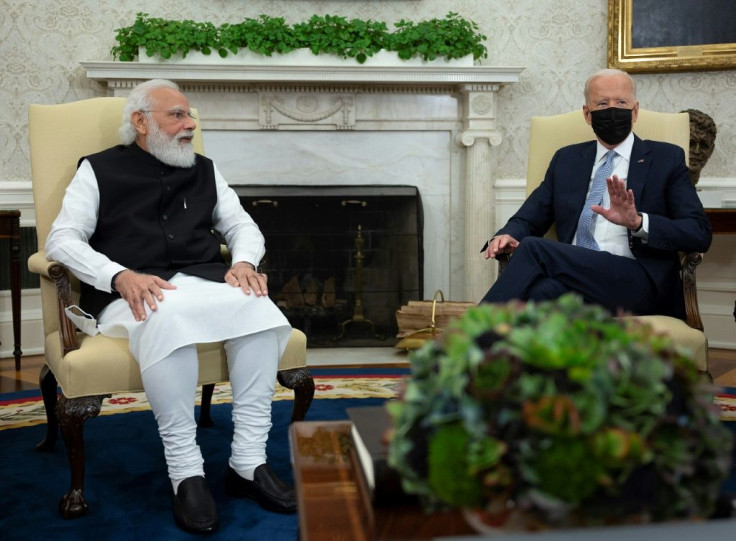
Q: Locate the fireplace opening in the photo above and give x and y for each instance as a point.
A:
(340, 259)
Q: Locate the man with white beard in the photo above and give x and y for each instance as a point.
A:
(136, 228)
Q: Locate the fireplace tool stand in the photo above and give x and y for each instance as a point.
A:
(358, 316)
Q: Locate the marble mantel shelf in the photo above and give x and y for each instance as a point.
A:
(481, 75)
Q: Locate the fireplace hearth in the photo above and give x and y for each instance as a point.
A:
(340, 259)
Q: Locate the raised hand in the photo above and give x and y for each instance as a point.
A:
(622, 210)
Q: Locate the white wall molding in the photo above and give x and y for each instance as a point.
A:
(18, 196)
(31, 334)
(717, 192)
(713, 183)
(716, 286)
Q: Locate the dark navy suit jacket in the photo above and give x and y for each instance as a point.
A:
(662, 188)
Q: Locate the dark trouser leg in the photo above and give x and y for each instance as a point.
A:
(543, 269)
(547, 289)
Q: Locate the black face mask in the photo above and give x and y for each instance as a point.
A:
(611, 125)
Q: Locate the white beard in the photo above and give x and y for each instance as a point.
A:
(170, 150)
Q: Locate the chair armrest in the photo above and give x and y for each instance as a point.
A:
(689, 263)
(38, 264)
(503, 260)
(59, 274)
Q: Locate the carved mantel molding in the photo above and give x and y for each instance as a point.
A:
(212, 74)
(369, 99)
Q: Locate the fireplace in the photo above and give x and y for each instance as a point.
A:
(340, 259)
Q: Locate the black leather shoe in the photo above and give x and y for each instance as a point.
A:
(194, 508)
(268, 490)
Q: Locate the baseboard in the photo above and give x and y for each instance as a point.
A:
(31, 333)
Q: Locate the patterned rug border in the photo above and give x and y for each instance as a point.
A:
(726, 401)
(22, 411)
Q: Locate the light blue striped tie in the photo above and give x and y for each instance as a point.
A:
(595, 197)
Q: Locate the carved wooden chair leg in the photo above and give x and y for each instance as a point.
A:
(205, 407)
(47, 384)
(72, 413)
(301, 382)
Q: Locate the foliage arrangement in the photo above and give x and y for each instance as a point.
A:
(264, 35)
(336, 35)
(561, 412)
(450, 37)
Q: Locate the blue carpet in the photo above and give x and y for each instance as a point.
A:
(29, 393)
(126, 486)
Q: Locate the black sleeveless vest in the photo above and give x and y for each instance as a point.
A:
(153, 218)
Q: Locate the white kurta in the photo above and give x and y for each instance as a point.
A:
(198, 311)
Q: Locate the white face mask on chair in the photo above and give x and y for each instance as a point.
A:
(84, 322)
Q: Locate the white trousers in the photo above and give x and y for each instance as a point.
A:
(171, 385)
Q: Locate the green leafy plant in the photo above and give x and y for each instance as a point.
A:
(164, 37)
(336, 35)
(451, 37)
(562, 412)
(264, 35)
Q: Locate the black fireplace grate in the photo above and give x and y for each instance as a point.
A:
(340, 259)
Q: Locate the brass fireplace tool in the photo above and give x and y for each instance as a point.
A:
(358, 316)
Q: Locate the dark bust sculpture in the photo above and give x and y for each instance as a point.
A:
(702, 141)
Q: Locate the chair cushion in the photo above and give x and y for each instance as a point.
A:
(683, 336)
(295, 354)
(104, 365)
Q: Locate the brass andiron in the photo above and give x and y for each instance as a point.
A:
(358, 316)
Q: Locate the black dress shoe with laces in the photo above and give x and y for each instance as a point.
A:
(194, 508)
(269, 491)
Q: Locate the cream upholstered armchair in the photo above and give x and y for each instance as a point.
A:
(89, 369)
(549, 133)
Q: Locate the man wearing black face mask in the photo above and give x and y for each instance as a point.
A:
(623, 208)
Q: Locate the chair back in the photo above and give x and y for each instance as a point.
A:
(59, 136)
(549, 133)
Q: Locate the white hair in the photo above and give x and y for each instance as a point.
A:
(608, 72)
(139, 99)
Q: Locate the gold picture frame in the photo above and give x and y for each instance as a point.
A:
(684, 56)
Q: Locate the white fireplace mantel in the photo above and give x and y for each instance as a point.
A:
(131, 72)
(433, 127)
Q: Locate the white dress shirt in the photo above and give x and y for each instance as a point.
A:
(610, 237)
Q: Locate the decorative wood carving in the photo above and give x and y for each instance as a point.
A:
(68, 331)
(689, 264)
(72, 413)
(301, 381)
